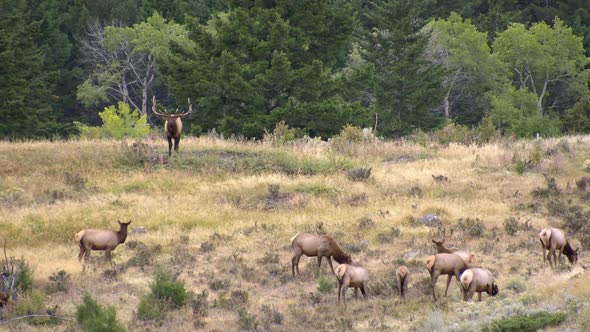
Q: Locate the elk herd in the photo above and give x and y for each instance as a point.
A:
(451, 262)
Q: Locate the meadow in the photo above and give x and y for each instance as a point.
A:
(220, 214)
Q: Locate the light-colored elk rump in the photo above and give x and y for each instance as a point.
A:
(351, 275)
(553, 239)
(316, 245)
(449, 264)
(172, 124)
(478, 280)
(468, 258)
(403, 278)
(100, 239)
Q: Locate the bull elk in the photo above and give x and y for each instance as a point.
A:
(172, 124)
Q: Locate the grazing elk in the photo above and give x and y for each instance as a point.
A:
(100, 239)
(478, 280)
(449, 264)
(403, 278)
(172, 124)
(316, 245)
(553, 239)
(351, 275)
(441, 249)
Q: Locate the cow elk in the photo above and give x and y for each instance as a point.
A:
(172, 124)
(351, 275)
(478, 280)
(100, 239)
(553, 239)
(316, 245)
(449, 264)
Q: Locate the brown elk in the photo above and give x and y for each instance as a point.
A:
(316, 245)
(441, 249)
(100, 239)
(172, 124)
(553, 239)
(449, 264)
(403, 278)
(351, 275)
(478, 280)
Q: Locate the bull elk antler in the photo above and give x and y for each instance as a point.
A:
(166, 114)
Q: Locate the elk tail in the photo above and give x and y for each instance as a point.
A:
(466, 279)
(293, 238)
(430, 262)
(340, 270)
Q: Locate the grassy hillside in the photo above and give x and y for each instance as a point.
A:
(221, 213)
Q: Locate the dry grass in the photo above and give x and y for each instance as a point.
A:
(215, 195)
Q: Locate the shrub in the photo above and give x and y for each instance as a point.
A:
(389, 235)
(60, 282)
(93, 317)
(526, 323)
(471, 227)
(516, 285)
(511, 226)
(117, 123)
(454, 133)
(269, 316)
(326, 284)
(31, 303)
(351, 134)
(247, 321)
(435, 322)
(199, 304)
(520, 167)
(283, 134)
(358, 174)
(150, 308)
(166, 288)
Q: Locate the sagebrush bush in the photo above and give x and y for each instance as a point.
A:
(92, 317)
(33, 302)
(150, 308)
(526, 323)
(326, 284)
(471, 226)
(60, 282)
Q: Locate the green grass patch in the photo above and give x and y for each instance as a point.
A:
(526, 323)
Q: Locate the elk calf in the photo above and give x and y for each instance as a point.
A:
(351, 275)
(403, 278)
(478, 280)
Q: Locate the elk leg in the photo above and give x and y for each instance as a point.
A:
(339, 289)
(558, 258)
(176, 142)
(295, 263)
(448, 284)
(544, 252)
(107, 255)
(169, 146)
(434, 278)
(81, 254)
(330, 263)
(356, 292)
(345, 284)
(479, 296)
(364, 290)
(319, 265)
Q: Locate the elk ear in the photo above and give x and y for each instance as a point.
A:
(433, 241)
(119, 221)
(576, 251)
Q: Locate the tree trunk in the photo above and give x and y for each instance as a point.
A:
(543, 91)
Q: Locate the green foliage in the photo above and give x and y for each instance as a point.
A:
(60, 282)
(526, 323)
(167, 289)
(117, 123)
(166, 293)
(577, 118)
(454, 133)
(24, 276)
(33, 302)
(93, 317)
(150, 308)
(282, 134)
(520, 167)
(326, 284)
(471, 226)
